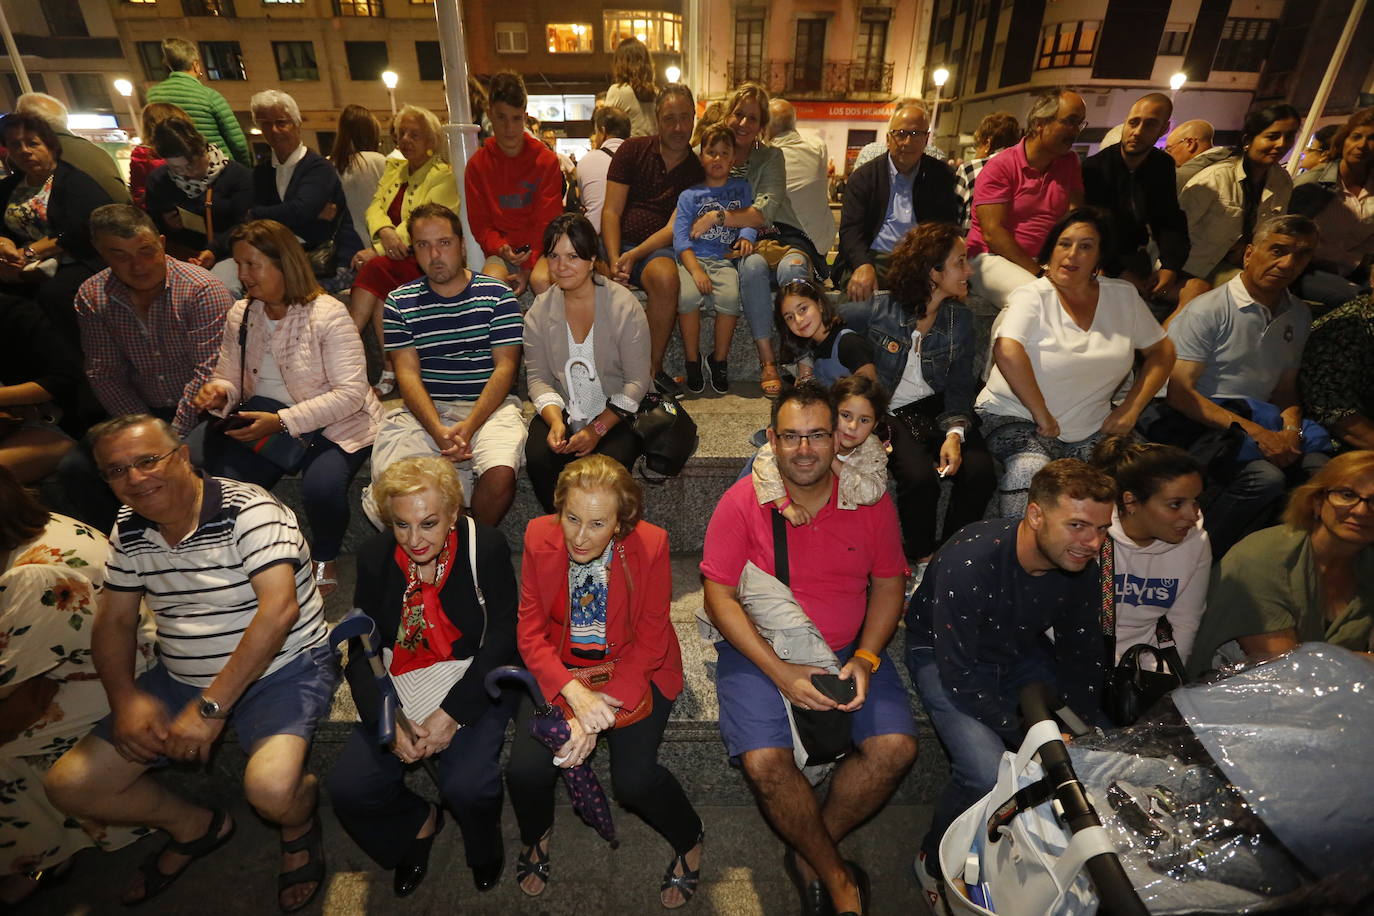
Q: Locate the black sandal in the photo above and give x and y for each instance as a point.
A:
(533, 864)
(155, 881)
(312, 841)
(687, 882)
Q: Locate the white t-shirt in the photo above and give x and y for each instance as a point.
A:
(269, 383)
(1077, 370)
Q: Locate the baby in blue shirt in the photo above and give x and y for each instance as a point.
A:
(706, 264)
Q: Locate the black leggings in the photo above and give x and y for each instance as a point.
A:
(638, 780)
(544, 465)
(913, 462)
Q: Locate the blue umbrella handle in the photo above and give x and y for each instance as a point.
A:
(513, 672)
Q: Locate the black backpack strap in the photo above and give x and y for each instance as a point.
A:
(781, 571)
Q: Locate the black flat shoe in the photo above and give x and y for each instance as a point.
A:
(815, 899)
(415, 863)
(485, 877)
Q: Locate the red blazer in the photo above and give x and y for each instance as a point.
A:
(639, 634)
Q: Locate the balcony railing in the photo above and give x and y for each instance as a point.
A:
(832, 78)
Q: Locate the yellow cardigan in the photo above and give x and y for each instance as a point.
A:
(433, 183)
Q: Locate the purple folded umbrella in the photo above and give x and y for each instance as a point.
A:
(550, 728)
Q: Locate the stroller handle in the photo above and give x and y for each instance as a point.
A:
(1114, 888)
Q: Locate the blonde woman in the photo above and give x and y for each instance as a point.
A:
(415, 579)
(421, 176)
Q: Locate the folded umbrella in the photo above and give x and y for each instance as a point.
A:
(551, 729)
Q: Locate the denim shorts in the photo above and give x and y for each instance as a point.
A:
(753, 714)
(637, 272)
(289, 701)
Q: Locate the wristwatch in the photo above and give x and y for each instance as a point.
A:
(599, 428)
(720, 219)
(210, 709)
(30, 254)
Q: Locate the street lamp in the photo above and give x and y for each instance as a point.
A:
(673, 73)
(940, 77)
(1177, 80)
(390, 79)
(126, 89)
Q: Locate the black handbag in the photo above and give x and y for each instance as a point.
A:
(826, 734)
(324, 257)
(667, 435)
(281, 448)
(1133, 688)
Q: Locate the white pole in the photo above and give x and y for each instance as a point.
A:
(462, 133)
(1324, 90)
(18, 63)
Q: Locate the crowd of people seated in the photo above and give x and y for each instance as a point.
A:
(1175, 407)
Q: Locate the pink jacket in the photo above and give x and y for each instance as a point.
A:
(320, 356)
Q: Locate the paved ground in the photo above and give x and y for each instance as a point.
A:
(742, 874)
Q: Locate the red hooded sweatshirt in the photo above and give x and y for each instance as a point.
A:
(512, 199)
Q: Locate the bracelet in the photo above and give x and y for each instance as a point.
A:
(786, 503)
(873, 660)
(283, 425)
(30, 254)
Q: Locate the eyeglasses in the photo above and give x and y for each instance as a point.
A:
(279, 124)
(1348, 499)
(792, 440)
(901, 136)
(1075, 123)
(145, 465)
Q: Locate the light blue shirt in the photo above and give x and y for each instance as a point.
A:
(1245, 349)
(901, 215)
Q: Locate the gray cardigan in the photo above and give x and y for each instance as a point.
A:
(620, 343)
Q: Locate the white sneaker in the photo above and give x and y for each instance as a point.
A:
(932, 886)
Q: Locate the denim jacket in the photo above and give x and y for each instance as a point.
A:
(947, 350)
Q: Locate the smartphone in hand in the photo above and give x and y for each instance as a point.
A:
(840, 691)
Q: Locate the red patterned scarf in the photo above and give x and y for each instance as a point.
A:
(426, 635)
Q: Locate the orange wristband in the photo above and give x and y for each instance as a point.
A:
(873, 660)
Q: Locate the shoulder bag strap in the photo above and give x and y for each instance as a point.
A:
(781, 571)
(1168, 649)
(243, 348)
(1106, 563)
(476, 586)
(210, 217)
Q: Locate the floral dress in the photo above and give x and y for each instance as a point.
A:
(48, 595)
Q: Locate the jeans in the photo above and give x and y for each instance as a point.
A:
(756, 282)
(325, 476)
(974, 750)
(1252, 498)
(544, 465)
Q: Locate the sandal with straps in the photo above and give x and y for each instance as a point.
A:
(534, 863)
(155, 880)
(687, 882)
(312, 841)
(770, 381)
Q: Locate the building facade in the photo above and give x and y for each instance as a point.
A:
(1114, 52)
(842, 64)
(71, 50)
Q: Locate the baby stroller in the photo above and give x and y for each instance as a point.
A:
(1247, 794)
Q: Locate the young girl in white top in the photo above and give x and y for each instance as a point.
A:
(1161, 557)
(860, 457)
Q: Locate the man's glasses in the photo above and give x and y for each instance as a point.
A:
(145, 465)
(1076, 124)
(279, 124)
(901, 136)
(1348, 499)
(792, 440)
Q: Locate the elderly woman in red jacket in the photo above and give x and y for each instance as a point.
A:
(595, 588)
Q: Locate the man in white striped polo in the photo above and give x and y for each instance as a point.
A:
(241, 638)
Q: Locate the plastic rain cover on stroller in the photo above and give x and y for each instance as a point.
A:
(1251, 793)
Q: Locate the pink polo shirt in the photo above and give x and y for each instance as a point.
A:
(831, 559)
(1038, 199)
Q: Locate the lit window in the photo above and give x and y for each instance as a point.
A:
(569, 37)
(1068, 44)
(295, 61)
(223, 60)
(511, 38)
(367, 9)
(659, 31)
